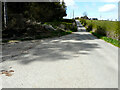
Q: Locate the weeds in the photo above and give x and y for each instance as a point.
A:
(109, 40)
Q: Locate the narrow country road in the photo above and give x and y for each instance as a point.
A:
(78, 60)
(80, 27)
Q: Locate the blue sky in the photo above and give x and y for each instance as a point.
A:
(107, 10)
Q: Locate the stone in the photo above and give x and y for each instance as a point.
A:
(48, 27)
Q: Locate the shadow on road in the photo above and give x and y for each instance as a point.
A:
(63, 48)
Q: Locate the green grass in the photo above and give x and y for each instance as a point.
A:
(109, 40)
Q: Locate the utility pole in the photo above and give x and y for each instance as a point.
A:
(73, 14)
(5, 19)
(70, 14)
(100, 17)
(119, 11)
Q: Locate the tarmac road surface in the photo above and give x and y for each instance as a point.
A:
(78, 60)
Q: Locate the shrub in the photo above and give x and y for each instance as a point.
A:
(101, 30)
(90, 27)
(16, 21)
(68, 20)
(74, 29)
(117, 31)
(83, 21)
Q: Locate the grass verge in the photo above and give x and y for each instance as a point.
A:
(107, 39)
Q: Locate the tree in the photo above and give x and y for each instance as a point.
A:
(85, 14)
(40, 11)
(47, 11)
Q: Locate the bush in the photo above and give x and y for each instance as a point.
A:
(117, 31)
(68, 20)
(90, 27)
(74, 29)
(83, 21)
(16, 21)
(101, 30)
(34, 30)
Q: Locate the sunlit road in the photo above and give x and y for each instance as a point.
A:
(78, 60)
(80, 27)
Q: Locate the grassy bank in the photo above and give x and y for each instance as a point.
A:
(106, 30)
(109, 40)
(109, 25)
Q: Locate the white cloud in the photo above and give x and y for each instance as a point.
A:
(70, 2)
(107, 8)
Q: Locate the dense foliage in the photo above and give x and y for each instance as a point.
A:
(41, 11)
(39, 31)
(23, 18)
(35, 11)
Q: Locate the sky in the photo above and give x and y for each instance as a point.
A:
(101, 9)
